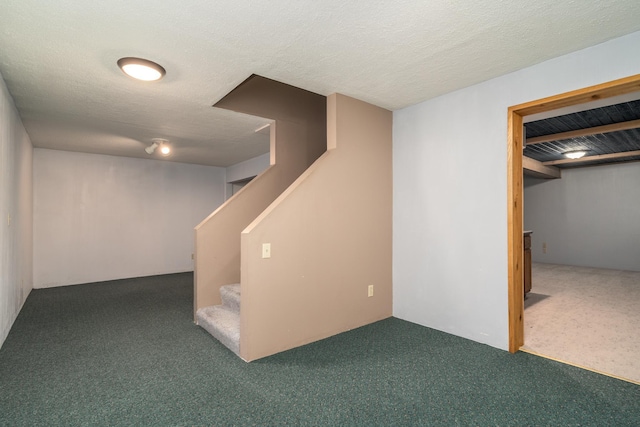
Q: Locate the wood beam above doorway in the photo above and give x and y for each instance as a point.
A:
(593, 158)
(631, 124)
(538, 169)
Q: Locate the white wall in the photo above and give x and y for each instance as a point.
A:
(590, 217)
(101, 217)
(450, 191)
(248, 168)
(243, 170)
(16, 256)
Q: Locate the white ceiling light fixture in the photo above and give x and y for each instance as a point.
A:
(575, 154)
(141, 69)
(165, 148)
(150, 149)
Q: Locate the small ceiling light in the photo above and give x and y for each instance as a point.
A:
(575, 154)
(141, 69)
(150, 149)
(165, 150)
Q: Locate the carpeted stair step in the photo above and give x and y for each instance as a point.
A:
(223, 323)
(231, 297)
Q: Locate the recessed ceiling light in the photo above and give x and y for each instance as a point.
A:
(141, 69)
(575, 154)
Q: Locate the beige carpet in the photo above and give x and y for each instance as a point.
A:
(585, 316)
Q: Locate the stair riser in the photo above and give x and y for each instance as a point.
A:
(230, 298)
(223, 324)
(223, 321)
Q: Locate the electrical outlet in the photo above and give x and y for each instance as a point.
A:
(266, 250)
(9, 220)
(544, 247)
(370, 291)
(193, 255)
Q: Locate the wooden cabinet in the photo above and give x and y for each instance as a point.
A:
(527, 261)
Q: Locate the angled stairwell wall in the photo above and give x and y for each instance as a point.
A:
(330, 236)
(298, 138)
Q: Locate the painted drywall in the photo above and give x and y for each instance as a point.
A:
(330, 237)
(298, 137)
(16, 217)
(590, 217)
(100, 217)
(450, 191)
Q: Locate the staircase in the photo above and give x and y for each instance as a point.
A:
(223, 321)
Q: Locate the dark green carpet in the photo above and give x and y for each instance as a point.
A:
(127, 353)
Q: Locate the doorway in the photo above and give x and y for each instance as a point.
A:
(515, 192)
(235, 186)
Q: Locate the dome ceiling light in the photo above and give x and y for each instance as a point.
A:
(141, 69)
(575, 154)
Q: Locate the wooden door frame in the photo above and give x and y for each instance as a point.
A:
(515, 192)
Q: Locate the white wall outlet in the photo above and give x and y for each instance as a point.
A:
(266, 250)
(9, 220)
(370, 291)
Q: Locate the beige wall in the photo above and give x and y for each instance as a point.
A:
(298, 137)
(330, 236)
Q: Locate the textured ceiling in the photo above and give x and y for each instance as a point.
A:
(58, 59)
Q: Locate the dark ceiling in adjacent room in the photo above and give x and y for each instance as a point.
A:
(611, 130)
